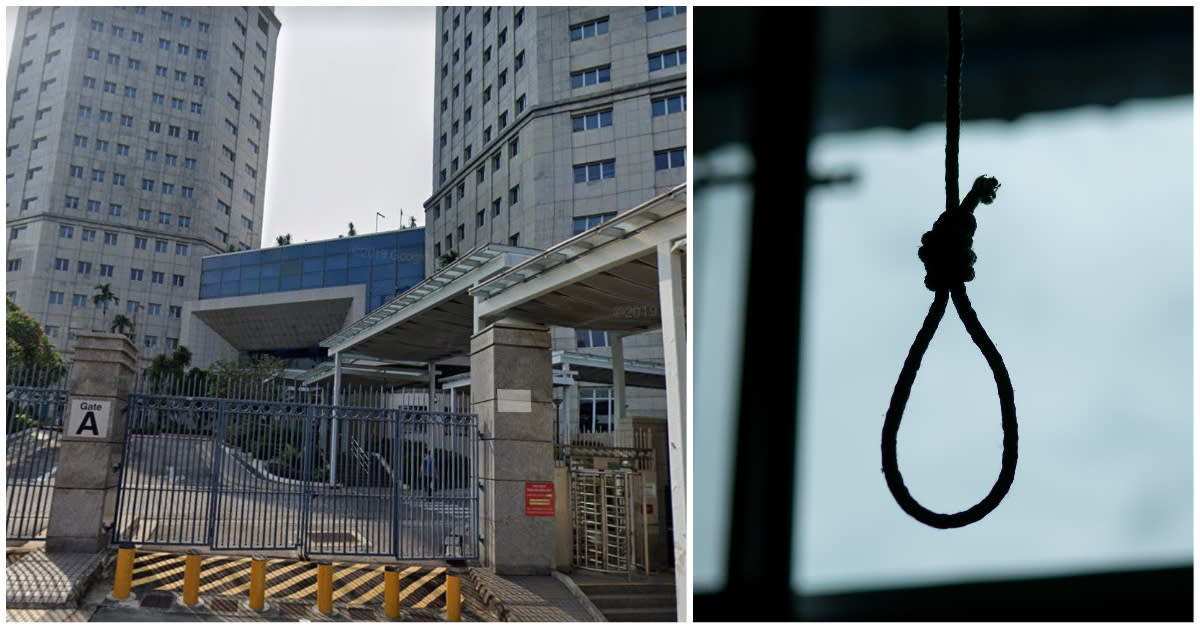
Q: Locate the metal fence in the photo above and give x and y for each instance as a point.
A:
(605, 507)
(35, 401)
(252, 467)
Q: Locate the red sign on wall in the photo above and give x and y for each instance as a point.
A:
(539, 499)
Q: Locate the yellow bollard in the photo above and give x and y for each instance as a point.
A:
(258, 582)
(325, 588)
(124, 577)
(391, 591)
(453, 598)
(191, 578)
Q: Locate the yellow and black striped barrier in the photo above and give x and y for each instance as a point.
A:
(349, 583)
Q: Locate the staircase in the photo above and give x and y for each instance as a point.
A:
(640, 599)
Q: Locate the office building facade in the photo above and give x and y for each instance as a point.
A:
(549, 121)
(137, 144)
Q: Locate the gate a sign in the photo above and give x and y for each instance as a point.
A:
(539, 499)
(89, 418)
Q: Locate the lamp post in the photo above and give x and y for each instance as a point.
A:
(557, 396)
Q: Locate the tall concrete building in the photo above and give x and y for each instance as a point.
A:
(137, 144)
(551, 120)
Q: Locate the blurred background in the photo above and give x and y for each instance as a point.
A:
(819, 161)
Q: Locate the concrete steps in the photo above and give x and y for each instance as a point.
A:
(632, 601)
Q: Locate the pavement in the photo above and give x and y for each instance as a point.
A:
(78, 587)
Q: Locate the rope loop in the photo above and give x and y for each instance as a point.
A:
(949, 264)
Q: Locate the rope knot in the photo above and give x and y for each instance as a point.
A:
(946, 248)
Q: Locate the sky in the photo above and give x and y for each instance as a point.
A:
(351, 122)
(1084, 282)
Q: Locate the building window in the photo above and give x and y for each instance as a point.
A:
(135, 274)
(193, 136)
(18, 233)
(519, 62)
(487, 94)
(135, 64)
(177, 281)
(185, 221)
(487, 54)
(593, 76)
(56, 298)
(657, 13)
(79, 300)
(503, 120)
(514, 147)
(673, 158)
(118, 179)
(496, 161)
(591, 338)
(160, 246)
(503, 80)
(668, 59)
(84, 268)
(181, 249)
(14, 265)
(76, 172)
(220, 235)
(151, 341)
(62, 264)
(187, 192)
(189, 163)
(106, 270)
(461, 233)
(168, 189)
(110, 238)
(514, 195)
(139, 243)
(480, 217)
(595, 409)
(87, 235)
(172, 344)
(595, 171)
(589, 29)
(175, 311)
(521, 104)
(173, 131)
(148, 184)
(163, 217)
(502, 37)
(514, 240)
(66, 232)
(98, 176)
(496, 207)
(172, 160)
(668, 105)
(197, 108)
(154, 309)
(594, 120)
(72, 202)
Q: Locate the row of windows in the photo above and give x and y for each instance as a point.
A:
(131, 306)
(115, 209)
(163, 71)
(67, 232)
(167, 18)
(193, 135)
(658, 13)
(582, 122)
(105, 270)
(149, 340)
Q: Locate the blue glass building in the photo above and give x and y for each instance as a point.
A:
(386, 263)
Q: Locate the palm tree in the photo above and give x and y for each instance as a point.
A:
(103, 296)
(284, 239)
(352, 231)
(122, 325)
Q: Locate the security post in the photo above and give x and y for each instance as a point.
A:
(83, 504)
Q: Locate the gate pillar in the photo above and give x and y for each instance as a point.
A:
(84, 499)
(510, 392)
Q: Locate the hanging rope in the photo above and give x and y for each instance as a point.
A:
(949, 260)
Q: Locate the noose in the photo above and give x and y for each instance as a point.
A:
(946, 252)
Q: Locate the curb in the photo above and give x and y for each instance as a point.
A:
(579, 595)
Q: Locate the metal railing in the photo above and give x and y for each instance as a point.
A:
(35, 403)
(604, 505)
(274, 470)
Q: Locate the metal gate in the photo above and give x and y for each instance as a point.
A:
(35, 400)
(604, 506)
(278, 470)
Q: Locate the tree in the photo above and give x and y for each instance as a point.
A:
(449, 257)
(171, 367)
(122, 325)
(284, 239)
(26, 343)
(352, 231)
(412, 222)
(104, 295)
